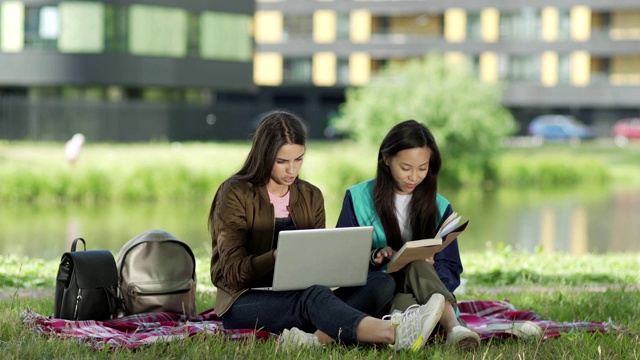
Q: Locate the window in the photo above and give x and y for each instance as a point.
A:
(564, 69)
(296, 71)
(474, 27)
(116, 28)
(297, 27)
(193, 34)
(564, 25)
(225, 36)
(521, 25)
(42, 27)
(342, 71)
(523, 68)
(157, 31)
(343, 26)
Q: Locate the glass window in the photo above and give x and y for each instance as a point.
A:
(296, 71)
(116, 28)
(193, 34)
(474, 26)
(564, 69)
(342, 71)
(296, 26)
(42, 27)
(82, 27)
(564, 25)
(343, 26)
(525, 24)
(157, 31)
(523, 68)
(225, 36)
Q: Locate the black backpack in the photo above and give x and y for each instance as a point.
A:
(86, 285)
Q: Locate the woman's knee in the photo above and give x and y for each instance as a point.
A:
(381, 280)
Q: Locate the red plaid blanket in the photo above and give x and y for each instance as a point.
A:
(143, 329)
(481, 316)
(136, 330)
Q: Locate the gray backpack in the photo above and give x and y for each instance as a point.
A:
(157, 272)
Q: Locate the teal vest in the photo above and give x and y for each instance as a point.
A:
(365, 210)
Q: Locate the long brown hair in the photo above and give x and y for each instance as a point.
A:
(276, 128)
(423, 209)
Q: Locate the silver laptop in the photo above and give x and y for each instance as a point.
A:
(335, 257)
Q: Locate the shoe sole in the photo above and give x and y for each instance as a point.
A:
(526, 330)
(468, 341)
(436, 306)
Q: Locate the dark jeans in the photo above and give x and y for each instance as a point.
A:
(336, 313)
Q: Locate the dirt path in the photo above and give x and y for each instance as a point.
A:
(548, 289)
(22, 293)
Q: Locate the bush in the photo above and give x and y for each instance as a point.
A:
(463, 113)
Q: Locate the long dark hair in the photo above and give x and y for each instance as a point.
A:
(276, 128)
(423, 209)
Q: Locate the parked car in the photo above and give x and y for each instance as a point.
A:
(559, 127)
(626, 128)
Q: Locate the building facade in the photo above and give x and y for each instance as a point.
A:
(119, 70)
(144, 70)
(578, 57)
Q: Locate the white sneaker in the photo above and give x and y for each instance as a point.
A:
(527, 330)
(415, 324)
(295, 338)
(463, 338)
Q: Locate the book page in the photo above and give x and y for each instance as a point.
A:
(448, 227)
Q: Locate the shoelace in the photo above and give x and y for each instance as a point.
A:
(397, 317)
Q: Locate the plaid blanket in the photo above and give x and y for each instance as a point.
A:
(482, 316)
(136, 330)
(143, 329)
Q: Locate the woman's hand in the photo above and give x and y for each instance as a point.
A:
(384, 254)
(429, 260)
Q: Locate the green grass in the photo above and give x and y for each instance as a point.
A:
(557, 287)
(38, 173)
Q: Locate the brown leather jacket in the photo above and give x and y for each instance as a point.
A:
(242, 232)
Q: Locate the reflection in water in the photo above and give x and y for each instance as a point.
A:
(73, 230)
(572, 221)
(578, 230)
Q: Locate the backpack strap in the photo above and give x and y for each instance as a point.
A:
(84, 244)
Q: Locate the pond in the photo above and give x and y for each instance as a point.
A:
(575, 221)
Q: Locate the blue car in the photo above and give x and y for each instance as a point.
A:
(559, 127)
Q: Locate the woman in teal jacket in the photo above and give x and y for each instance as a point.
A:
(402, 204)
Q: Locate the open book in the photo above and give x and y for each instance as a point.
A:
(426, 248)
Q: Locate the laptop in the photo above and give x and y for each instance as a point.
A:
(336, 257)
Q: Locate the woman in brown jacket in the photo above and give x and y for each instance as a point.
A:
(249, 210)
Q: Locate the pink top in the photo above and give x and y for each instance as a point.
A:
(280, 205)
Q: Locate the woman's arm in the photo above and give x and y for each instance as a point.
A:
(348, 218)
(236, 265)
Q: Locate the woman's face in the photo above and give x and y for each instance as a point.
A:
(287, 165)
(408, 168)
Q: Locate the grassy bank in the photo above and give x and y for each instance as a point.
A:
(491, 268)
(556, 287)
(37, 172)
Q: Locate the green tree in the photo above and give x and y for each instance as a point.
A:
(464, 113)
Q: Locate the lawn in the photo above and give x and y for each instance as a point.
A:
(557, 287)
